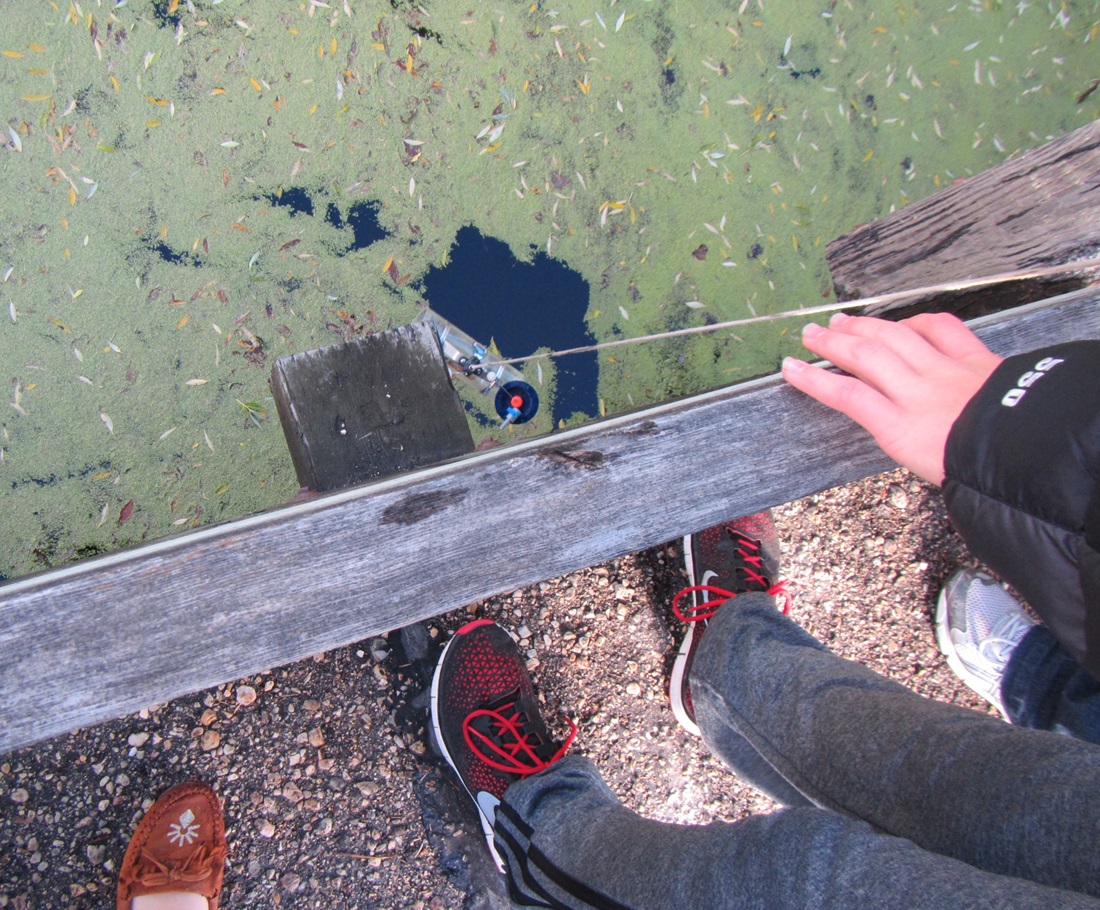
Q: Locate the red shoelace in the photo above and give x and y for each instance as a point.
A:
(513, 754)
(708, 608)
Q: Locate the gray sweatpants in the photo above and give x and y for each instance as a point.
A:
(899, 801)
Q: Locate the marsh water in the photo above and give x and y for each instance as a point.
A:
(192, 189)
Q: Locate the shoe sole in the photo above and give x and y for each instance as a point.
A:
(437, 731)
(947, 648)
(679, 666)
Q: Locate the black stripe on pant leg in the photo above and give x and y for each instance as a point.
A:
(515, 821)
(567, 883)
(542, 862)
(532, 855)
(518, 858)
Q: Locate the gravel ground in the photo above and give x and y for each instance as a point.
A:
(335, 797)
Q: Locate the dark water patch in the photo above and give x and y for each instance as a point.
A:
(172, 256)
(363, 221)
(296, 199)
(414, 14)
(366, 229)
(164, 18)
(489, 294)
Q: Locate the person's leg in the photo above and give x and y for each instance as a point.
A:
(1046, 689)
(1018, 666)
(722, 562)
(567, 842)
(958, 783)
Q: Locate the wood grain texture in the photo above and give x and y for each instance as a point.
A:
(1040, 209)
(109, 636)
(369, 408)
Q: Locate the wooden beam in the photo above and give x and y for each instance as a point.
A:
(108, 636)
(1038, 210)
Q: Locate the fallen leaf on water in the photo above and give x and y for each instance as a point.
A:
(127, 511)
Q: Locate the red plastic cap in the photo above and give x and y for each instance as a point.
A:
(517, 401)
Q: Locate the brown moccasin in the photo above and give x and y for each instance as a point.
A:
(178, 846)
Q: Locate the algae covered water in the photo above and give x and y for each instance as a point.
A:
(194, 188)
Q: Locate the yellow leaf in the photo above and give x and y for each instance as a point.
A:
(256, 85)
(183, 322)
(46, 96)
(16, 54)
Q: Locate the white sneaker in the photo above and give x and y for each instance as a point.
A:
(978, 625)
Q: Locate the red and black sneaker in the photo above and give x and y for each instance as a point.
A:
(724, 561)
(486, 719)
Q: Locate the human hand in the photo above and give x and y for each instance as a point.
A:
(909, 380)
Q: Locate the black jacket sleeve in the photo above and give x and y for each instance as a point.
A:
(1022, 468)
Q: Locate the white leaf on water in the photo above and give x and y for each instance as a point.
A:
(694, 304)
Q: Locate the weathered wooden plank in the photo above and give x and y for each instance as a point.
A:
(108, 636)
(1037, 210)
(375, 406)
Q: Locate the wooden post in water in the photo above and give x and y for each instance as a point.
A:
(372, 407)
(1038, 210)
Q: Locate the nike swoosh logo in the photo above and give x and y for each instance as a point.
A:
(487, 803)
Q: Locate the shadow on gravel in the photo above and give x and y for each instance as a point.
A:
(450, 820)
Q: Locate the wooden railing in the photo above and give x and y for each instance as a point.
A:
(108, 636)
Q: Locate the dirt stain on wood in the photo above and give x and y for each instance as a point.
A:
(418, 506)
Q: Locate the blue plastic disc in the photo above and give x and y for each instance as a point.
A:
(519, 396)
